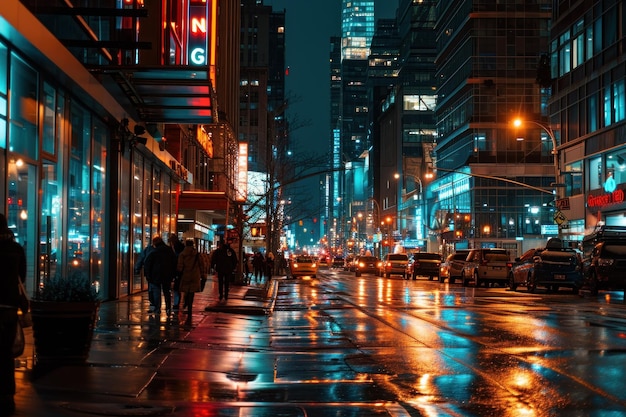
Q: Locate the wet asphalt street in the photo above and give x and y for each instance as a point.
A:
(346, 346)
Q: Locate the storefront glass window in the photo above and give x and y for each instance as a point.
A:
(50, 241)
(51, 228)
(595, 173)
(3, 96)
(123, 209)
(22, 210)
(141, 237)
(616, 166)
(98, 206)
(78, 207)
(49, 118)
(23, 128)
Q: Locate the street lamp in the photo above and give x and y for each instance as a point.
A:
(555, 154)
(559, 218)
(422, 204)
(359, 234)
(376, 222)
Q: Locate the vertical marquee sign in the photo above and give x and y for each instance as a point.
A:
(202, 34)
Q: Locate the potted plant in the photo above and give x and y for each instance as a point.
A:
(64, 312)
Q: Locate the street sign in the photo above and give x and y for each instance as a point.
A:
(560, 219)
(562, 204)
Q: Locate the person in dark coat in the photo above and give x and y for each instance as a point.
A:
(13, 261)
(177, 246)
(225, 261)
(258, 263)
(269, 265)
(160, 269)
(190, 267)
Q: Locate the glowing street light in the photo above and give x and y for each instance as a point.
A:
(518, 123)
(559, 217)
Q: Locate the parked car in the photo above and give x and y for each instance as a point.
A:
(424, 264)
(394, 264)
(604, 259)
(556, 267)
(606, 267)
(453, 266)
(338, 262)
(303, 265)
(522, 268)
(366, 264)
(486, 266)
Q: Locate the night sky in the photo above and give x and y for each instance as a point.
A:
(310, 24)
(309, 27)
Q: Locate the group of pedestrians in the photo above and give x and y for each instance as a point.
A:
(264, 266)
(176, 271)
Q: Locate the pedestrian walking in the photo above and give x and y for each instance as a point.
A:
(269, 265)
(246, 266)
(225, 261)
(139, 265)
(160, 269)
(258, 263)
(13, 261)
(281, 263)
(177, 246)
(190, 266)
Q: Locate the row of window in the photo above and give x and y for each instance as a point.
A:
(582, 41)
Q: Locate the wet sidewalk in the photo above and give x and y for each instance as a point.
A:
(131, 346)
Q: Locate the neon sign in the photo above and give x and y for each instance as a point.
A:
(606, 199)
(197, 39)
(202, 35)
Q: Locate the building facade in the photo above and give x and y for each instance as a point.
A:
(588, 106)
(487, 60)
(262, 123)
(99, 142)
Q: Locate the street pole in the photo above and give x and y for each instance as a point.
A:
(420, 195)
(377, 223)
(559, 217)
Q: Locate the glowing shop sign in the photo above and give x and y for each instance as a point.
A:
(197, 39)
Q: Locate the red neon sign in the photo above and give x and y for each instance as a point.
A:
(606, 199)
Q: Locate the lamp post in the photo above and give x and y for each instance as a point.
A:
(555, 154)
(359, 234)
(559, 217)
(376, 222)
(422, 203)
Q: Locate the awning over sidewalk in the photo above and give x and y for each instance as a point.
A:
(165, 94)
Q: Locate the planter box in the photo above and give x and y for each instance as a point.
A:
(62, 331)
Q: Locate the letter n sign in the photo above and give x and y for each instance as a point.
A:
(198, 32)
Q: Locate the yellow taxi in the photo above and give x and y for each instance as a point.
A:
(303, 265)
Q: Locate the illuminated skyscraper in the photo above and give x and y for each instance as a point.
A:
(357, 28)
(350, 121)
